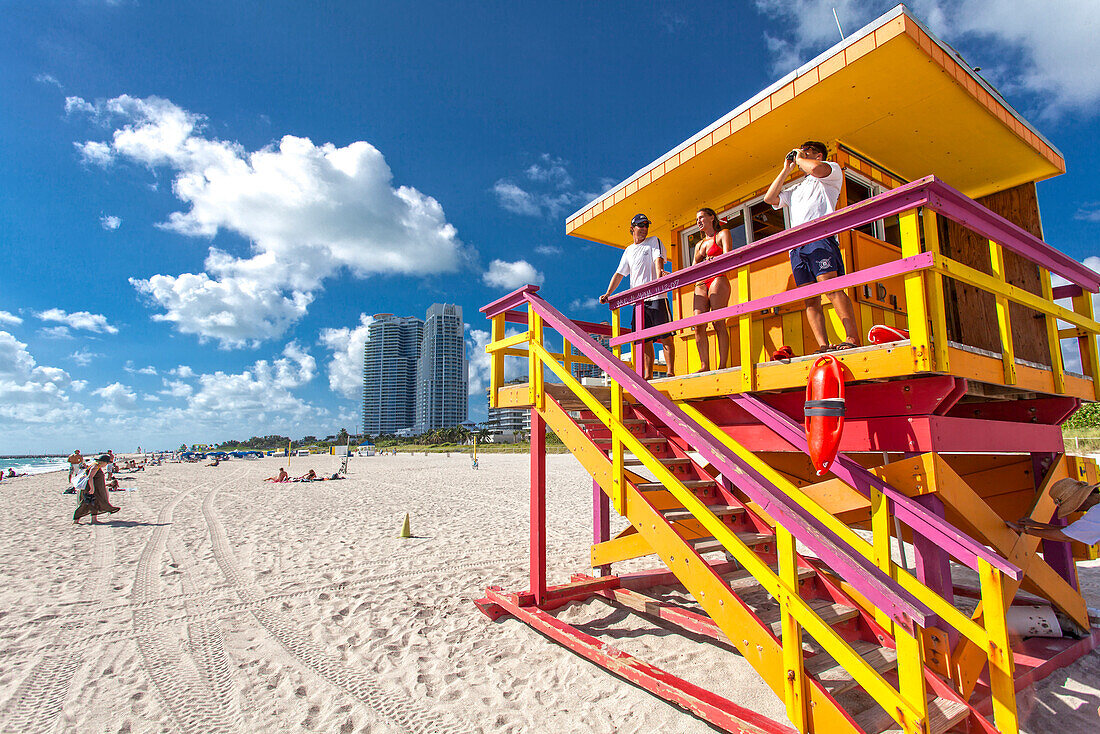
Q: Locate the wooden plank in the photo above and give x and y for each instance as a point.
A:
(1004, 324)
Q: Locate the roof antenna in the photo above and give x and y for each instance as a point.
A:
(835, 17)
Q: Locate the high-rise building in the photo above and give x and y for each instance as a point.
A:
(389, 373)
(581, 369)
(442, 379)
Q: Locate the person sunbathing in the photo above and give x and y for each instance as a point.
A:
(11, 473)
(215, 462)
(309, 476)
(282, 476)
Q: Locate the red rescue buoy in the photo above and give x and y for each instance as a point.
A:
(824, 411)
(882, 334)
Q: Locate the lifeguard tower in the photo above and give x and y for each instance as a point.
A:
(948, 434)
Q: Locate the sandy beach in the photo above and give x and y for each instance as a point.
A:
(215, 602)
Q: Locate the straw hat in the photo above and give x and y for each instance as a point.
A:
(1068, 494)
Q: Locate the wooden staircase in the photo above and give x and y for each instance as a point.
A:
(732, 604)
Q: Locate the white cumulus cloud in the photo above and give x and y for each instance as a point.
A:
(117, 398)
(1045, 50)
(9, 318)
(110, 222)
(83, 320)
(510, 276)
(309, 212)
(345, 369)
(31, 395)
(548, 189)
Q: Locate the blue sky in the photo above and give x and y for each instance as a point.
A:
(201, 204)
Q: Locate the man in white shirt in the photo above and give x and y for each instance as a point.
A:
(1070, 495)
(644, 261)
(815, 196)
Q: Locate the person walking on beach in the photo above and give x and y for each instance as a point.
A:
(815, 196)
(76, 463)
(95, 500)
(644, 261)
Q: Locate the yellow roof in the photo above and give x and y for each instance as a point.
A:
(891, 92)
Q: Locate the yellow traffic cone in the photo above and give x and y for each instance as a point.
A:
(405, 531)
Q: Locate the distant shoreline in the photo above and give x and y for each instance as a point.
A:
(33, 456)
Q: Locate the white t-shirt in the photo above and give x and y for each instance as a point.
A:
(640, 261)
(813, 197)
(1087, 529)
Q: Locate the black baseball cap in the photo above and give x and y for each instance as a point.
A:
(638, 220)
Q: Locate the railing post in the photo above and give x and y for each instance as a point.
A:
(1001, 683)
(744, 334)
(911, 684)
(1057, 368)
(538, 506)
(795, 684)
(618, 478)
(496, 371)
(1004, 323)
(880, 542)
(534, 364)
(935, 289)
(1090, 363)
(637, 348)
(914, 295)
(567, 357)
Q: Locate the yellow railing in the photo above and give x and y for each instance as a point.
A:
(907, 703)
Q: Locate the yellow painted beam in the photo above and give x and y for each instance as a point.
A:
(794, 692)
(919, 336)
(622, 548)
(935, 289)
(1054, 342)
(1090, 361)
(1004, 322)
(496, 370)
(744, 333)
(508, 342)
(1001, 683)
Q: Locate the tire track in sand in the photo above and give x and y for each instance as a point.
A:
(392, 705)
(37, 702)
(189, 692)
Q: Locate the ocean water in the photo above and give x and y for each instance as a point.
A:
(36, 465)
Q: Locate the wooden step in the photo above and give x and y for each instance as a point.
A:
(719, 510)
(689, 483)
(708, 545)
(741, 581)
(635, 461)
(836, 679)
(596, 422)
(644, 440)
(830, 613)
(942, 715)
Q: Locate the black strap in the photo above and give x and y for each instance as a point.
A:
(833, 407)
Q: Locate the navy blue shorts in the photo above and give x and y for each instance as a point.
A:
(816, 258)
(654, 313)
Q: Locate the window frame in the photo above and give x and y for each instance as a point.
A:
(687, 250)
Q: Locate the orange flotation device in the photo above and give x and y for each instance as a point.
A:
(824, 411)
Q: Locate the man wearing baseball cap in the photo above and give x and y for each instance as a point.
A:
(1070, 495)
(644, 261)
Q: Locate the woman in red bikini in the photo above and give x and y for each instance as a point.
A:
(713, 293)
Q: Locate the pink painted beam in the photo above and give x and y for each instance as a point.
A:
(1049, 411)
(1066, 291)
(703, 703)
(957, 206)
(509, 301)
(538, 506)
(859, 277)
(847, 562)
(920, 519)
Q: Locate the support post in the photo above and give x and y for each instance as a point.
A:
(934, 571)
(601, 522)
(1001, 683)
(638, 347)
(496, 372)
(1004, 323)
(1090, 364)
(744, 334)
(914, 295)
(935, 290)
(794, 690)
(1056, 366)
(538, 506)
